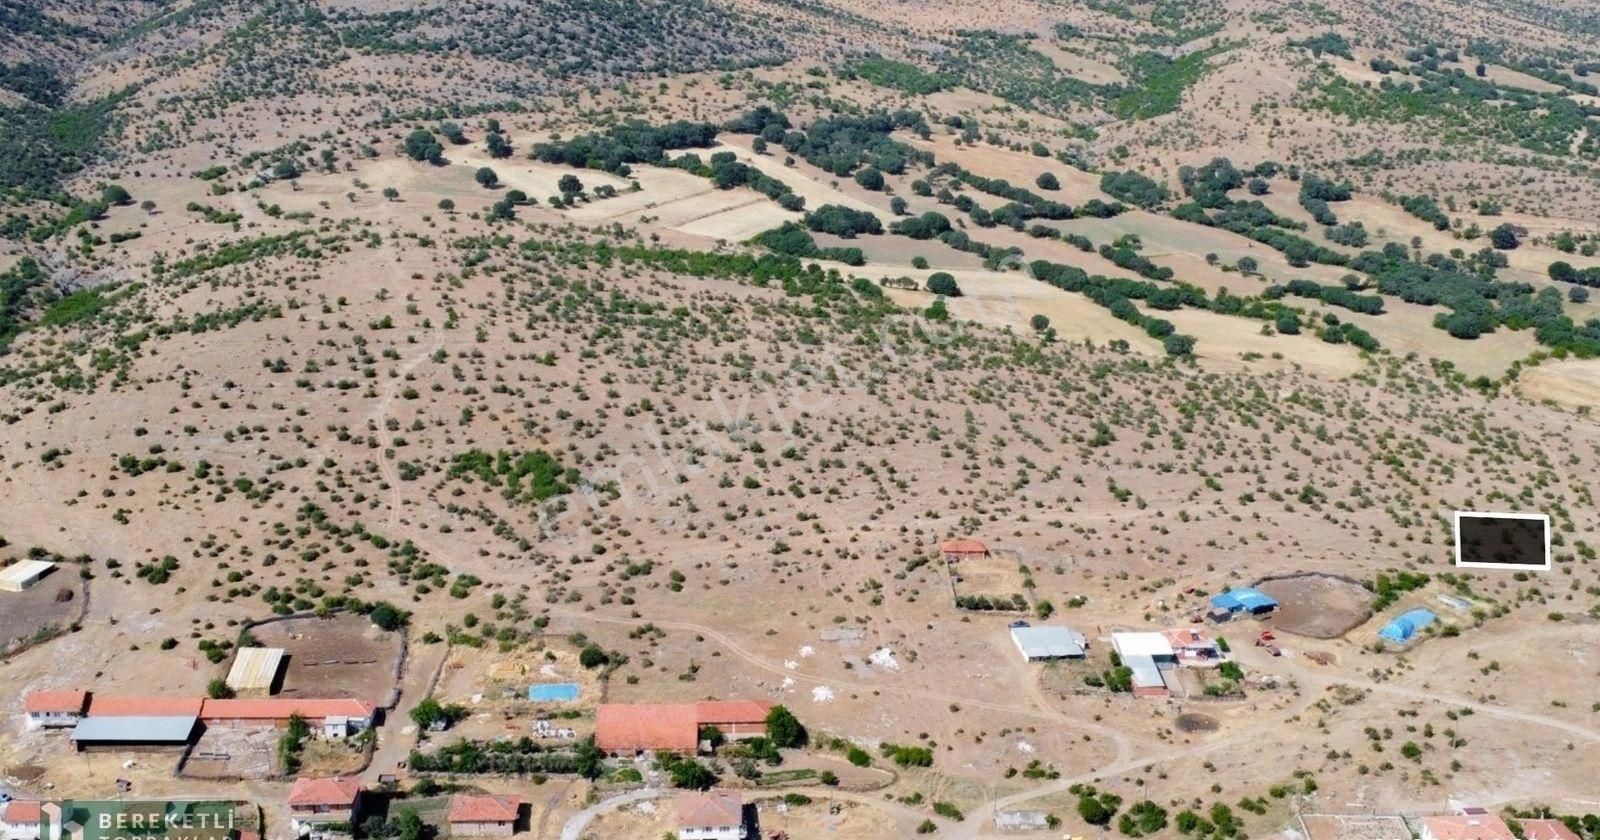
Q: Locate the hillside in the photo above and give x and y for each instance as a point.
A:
(664, 345)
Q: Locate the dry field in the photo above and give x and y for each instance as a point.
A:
(52, 602)
(1317, 606)
(753, 476)
(345, 656)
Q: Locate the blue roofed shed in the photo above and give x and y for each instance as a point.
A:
(1406, 625)
(1244, 600)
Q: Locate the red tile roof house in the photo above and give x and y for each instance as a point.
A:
(1466, 827)
(313, 803)
(962, 549)
(19, 820)
(1546, 830)
(627, 729)
(1193, 646)
(55, 708)
(735, 719)
(484, 815)
(716, 815)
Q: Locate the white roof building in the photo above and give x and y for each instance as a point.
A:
(23, 574)
(1153, 645)
(1044, 643)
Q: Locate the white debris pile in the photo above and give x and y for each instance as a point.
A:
(822, 694)
(884, 658)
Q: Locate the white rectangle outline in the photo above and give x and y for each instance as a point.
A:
(1456, 524)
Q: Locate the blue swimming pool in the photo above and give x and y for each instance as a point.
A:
(553, 691)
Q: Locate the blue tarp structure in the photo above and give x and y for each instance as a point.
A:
(553, 691)
(1246, 600)
(1406, 625)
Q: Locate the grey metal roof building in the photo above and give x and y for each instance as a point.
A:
(1043, 643)
(134, 732)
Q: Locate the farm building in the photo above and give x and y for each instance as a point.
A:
(255, 670)
(134, 733)
(19, 820)
(1192, 646)
(144, 706)
(314, 803)
(23, 574)
(1406, 625)
(1243, 601)
(962, 549)
(1466, 827)
(1547, 830)
(714, 815)
(55, 708)
(735, 718)
(1043, 644)
(484, 815)
(356, 714)
(621, 728)
(1146, 654)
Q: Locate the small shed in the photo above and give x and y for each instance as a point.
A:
(255, 670)
(1043, 644)
(964, 549)
(22, 575)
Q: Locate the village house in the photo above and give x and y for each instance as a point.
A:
(1466, 827)
(314, 804)
(628, 729)
(963, 549)
(714, 815)
(19, 820)
(55, 708)
(484, 815)
(1193, 646)
(1547, 830)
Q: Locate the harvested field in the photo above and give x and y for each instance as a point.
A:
(345, 656)
(1317, 606)
(1572, 382)
(27, 613)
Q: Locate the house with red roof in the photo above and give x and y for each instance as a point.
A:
(55, 708)
(145, 707)
(713, 815)
(19, 820)
(963, 549)
(495, 816)
(1546, 830)
(1466, 827)
(631, 728)
(735, 719)
(625, 729)
(314, 803)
